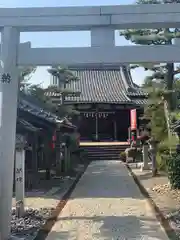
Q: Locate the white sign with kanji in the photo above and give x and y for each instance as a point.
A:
(20, 176)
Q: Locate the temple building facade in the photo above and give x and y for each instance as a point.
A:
(108, 93)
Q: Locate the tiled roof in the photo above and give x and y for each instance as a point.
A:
(26, 125)
(140, 101)
(27, 105)
(102, 85)
(38, 112)
(99, 86)
(132, 92)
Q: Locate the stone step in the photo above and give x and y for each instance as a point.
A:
(100, 157)
(104, 153)
(109, 152)
(106, 147)
(103, 150)
(103, 158)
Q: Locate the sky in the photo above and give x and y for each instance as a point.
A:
(66, 39)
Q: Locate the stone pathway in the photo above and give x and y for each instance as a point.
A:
(107, 205)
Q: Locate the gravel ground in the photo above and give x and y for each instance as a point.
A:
(166, 189)
(28, 225)
(107, 204)
(174, 219)
(172, 216)
(167, 200)
(39, 205)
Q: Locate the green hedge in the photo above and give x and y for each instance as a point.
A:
(122, 156)
(173, 170)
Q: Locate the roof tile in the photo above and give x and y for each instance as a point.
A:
(102, 85)
(99, 86)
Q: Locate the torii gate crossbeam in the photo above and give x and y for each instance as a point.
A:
(99, 55)
(84, 18)
(101, 21)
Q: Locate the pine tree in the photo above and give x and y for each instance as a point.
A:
(64, 77)
(25, 75)
(154, 111)
(165, 73)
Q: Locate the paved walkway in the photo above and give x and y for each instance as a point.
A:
(107, 205)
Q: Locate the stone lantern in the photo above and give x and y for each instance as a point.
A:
(144, 138)
(153, 149)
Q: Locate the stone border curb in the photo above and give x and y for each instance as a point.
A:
(159, 215)
(44, 231)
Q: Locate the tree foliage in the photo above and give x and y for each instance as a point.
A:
(25, 75)
(64, 77)
(154, 111)
(162, 85)
(35, 90)
(160, 36)
(173, 168)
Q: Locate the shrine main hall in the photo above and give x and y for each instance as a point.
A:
(108, 93)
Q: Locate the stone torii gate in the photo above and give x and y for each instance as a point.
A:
(102, 22)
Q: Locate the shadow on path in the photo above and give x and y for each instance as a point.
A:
(111, 227)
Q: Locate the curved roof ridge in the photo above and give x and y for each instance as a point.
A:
(94, 67)
(100, 84)
(123, 77)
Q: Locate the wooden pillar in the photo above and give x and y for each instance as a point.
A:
(96, 115)
(34, 160)
(115, 130)
(67, 158)
(47, 156)
(58, 153)
(129, 134)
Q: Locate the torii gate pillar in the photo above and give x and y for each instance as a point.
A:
(8, 114)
